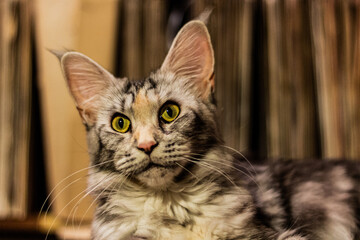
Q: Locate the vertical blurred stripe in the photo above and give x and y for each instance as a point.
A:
(328, 79)
(141, 37)
(15, 100)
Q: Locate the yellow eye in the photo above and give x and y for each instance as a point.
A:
(169, 112)
(120, 124)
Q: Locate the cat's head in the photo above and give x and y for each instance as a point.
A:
(153, 130)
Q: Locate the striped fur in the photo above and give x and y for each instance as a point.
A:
(191, 186)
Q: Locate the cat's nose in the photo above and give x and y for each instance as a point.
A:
(147, 146)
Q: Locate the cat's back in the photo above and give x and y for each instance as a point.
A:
(318, 198)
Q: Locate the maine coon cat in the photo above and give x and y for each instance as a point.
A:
(160, 170)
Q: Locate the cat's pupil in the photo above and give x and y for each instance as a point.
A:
(121, 123)
(169, 112)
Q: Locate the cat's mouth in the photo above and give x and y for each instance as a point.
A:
(158, 175)
(153, 165)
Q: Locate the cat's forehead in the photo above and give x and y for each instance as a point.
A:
(142, 98)
(145, 103)
(123, 93)
(134, 86)
(154, 89)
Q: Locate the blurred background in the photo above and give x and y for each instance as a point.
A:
(287, 85)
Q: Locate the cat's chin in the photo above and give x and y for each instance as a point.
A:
(158, 177)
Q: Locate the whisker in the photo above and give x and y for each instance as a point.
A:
(59, 193)
(249, 175)
(242, 155)
(75, 208)
(118, 185)
(72, 211)
(63, 180)
(56, 217)
(212, 168)
(205, 156)
(187, 170)
(234, 163)
(236, 151)
(94, 200)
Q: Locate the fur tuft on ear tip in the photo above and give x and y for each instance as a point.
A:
(58, 53)
(205, 15)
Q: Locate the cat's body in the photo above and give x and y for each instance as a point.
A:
(160, 169)
(287, 200)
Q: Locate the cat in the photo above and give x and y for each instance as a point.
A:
(160, 169)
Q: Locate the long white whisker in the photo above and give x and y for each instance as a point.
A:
(59, 193)
(213, 168)
(250, 176)
(80, 200)
(75, 208)
(242, 155)
(187, 170)
(63, 180)
(97, 197)
(204, 156)
(52, 224)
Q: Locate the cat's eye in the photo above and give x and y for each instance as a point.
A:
(169, 112)
(120, 123)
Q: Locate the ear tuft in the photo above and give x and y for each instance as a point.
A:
(57, 53)
(191, 56)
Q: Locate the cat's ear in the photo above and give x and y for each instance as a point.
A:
(191, 56)
(87, 80)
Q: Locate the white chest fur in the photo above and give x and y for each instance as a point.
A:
(188, 213)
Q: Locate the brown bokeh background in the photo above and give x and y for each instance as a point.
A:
(287, 85)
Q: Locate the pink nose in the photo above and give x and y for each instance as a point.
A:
(147, 146)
